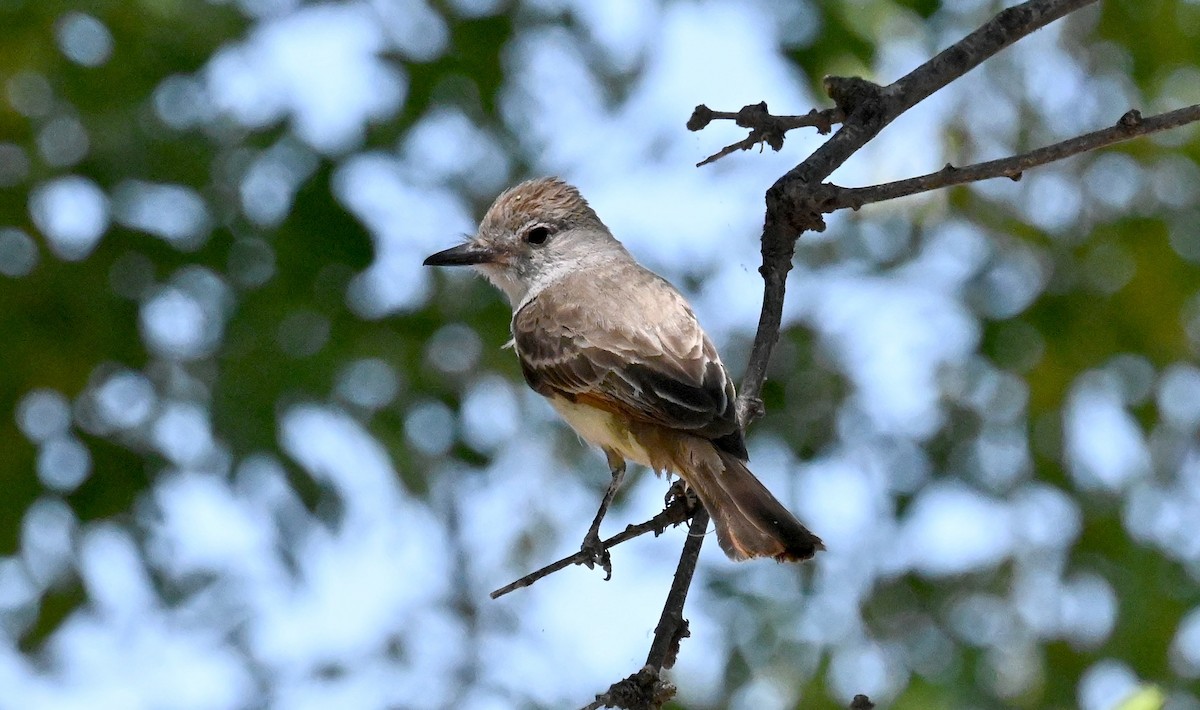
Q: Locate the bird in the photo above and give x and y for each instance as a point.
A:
(621, 357)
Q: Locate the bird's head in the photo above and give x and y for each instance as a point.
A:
(533, 233)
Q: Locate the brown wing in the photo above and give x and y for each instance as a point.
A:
(628, 343)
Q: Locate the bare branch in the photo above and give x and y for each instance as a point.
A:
(677, 510)
(764, 128)
(866, 109)
(672, 627)
(792, 207)
(646, 690)
(832, 197)
(869, 112)
(794, 204)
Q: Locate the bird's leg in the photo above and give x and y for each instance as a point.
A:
(591, 542)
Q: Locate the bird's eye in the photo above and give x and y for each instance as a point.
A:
(537, 235)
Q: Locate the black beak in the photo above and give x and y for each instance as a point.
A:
(462, 255)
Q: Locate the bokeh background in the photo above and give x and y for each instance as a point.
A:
(254, 455)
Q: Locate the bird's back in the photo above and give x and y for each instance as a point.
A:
(623, 338)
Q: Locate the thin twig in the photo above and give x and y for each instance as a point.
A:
(672, 627)
(677, 510)
(1131, 125)
(764, 128)
(646, 690)
(755, 138)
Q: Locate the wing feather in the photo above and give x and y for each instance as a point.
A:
(632, 346)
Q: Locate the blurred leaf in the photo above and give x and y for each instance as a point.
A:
(1147, 697)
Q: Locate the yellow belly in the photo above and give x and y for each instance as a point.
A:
(601, 428)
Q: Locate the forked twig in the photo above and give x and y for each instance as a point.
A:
(678, 509)
(764, 128)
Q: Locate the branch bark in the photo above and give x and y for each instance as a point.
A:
(646, 689)
(794, 205)
(764, 127)
(678, 509)
(791, 211)
(1131, 125)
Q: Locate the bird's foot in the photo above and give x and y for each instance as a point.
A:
(597, 554)
(681, 492)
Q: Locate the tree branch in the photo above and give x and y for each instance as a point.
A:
(646, 690)
(868, 112)
(832, 197)
(792, 204)
(678, 509)
(672, 627)
(764, 128)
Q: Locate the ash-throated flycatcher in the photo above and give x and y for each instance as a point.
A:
(620, 355)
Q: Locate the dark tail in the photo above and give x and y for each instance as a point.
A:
(750, 521)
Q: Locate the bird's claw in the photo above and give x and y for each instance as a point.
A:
(679, 491)
(597, 554)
